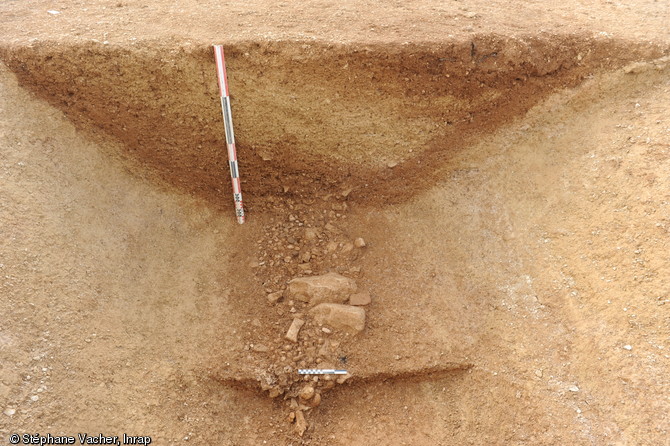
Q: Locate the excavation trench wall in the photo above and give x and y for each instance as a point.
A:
(376, 120)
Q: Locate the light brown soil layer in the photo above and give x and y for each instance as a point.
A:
(378, 120)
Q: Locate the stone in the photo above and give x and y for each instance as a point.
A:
(331, 287)
(573, 388)
(538, 373)
(306, 392)
(628, 347)
(342, 317)
(294, 329)
(9, 411)
(305, 256)
(311, 234)
(347, 247)
(342, 378)
(260, 348)
(359, 242)
(315, 401)
(300, 423)
(275, 297)
(324, 350)
(360, 299)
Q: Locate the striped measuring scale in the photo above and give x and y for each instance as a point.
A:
(230, 135)
(321, 372)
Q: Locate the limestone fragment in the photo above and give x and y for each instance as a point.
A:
(347, 247)
(342, 317)
(331, 287)
(260, 348)
(360, 299)
(294, 329)
(311, 234)
(306, 392)
(300, 423)
(274, 297)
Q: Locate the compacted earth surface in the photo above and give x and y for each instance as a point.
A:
(464, 205)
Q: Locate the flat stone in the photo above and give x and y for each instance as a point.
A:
(342, 317)
(360, 299)
(294, 329)
(331, 287)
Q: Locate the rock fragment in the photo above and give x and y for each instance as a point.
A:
(331, 287)
(274, 297)
(300, 423)
(260, 348)
(306, 392)
(294, 329)
(359, 242)
(360, 299)
(342, 317)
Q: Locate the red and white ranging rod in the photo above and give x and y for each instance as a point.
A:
(230, 136)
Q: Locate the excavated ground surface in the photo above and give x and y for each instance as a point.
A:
(507, 168)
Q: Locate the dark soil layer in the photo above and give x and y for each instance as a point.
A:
(376, 120)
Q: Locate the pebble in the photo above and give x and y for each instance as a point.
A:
(34, 398)
(538, 373)
(331, 287)
(628, 347)
(573, 388)
(294, 329)
(326, 330)
(360, 299)
(359, 242)
(9, 411)
(343, 317)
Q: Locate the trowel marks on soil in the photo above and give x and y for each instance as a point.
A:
(310, 115)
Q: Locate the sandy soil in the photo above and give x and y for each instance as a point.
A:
(517, 256)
